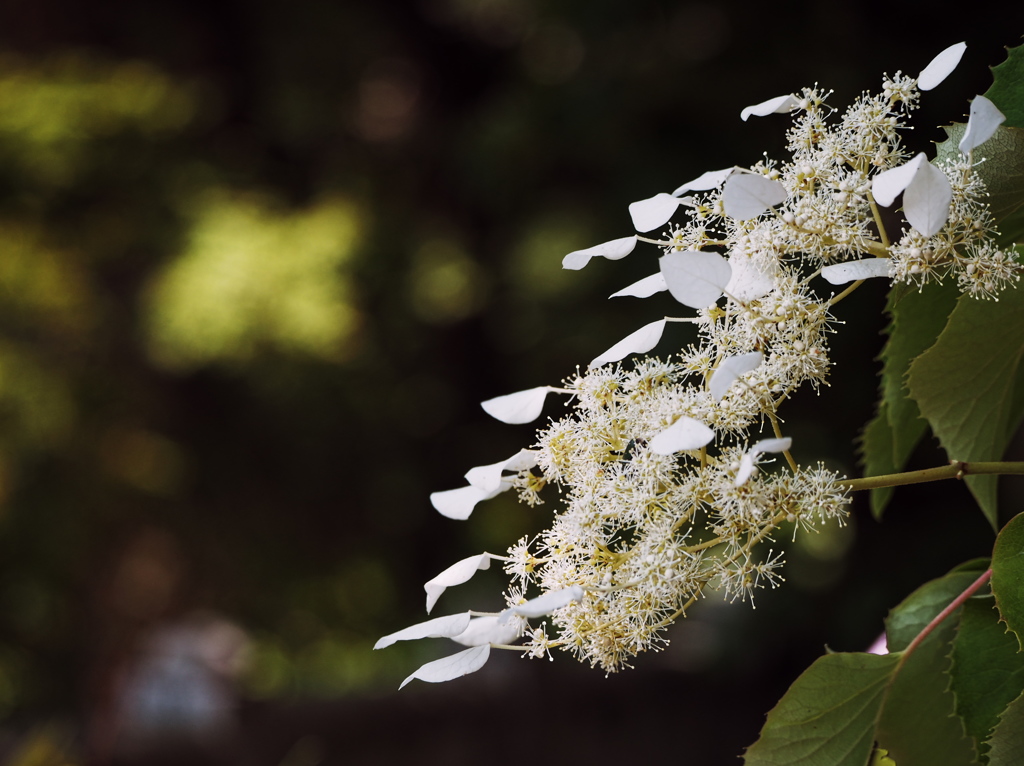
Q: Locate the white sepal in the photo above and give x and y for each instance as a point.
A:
(639, 342)
(488, 630)
(695, 278)
(940, 67)
(747, 195)
(489, 477)
(645, 288)
(926, 200)
(440, 627)
(749, 460)
(752, 278)
(730, 369)
(612, 250)
(546, 603)
(653, 212)
(455, 666)
(685, 434)
(777, 105)
(851, 271)
(459, 503)
(981, 126)
(520, 407)
(712, 179)
(456, 574)
(888, 185)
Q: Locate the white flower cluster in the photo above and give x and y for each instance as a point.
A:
(656, 466)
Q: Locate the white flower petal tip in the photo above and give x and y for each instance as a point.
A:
(545, 604)
(645, 288)
(729, 371)
(520, 407)
(685, 434)
(982, 124)
(747, 195)
(612, 250)
(459, 503)
(440, 627)
(749, 460)
(695, 278)
(888, 185)
(941, 66)
(654, 212)
(852, 271)
(712, 179)
(777, 105)
(489, 478)
(455, 666)
(456, 574)
(926, 200)
(639, 342)
(488, 630)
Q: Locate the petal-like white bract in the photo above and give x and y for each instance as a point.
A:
(777, 105)
(747, 195)
(489, 477)
(685, 434)
(456, 574)
(612, 250)
(459, 503)
(888, 185)
(440, 627)
(926, 200)
(455, 666)
(520, 407)
(981, 126)
(749, 460)
(712, 179)
(639, 342)
(488, 630)
(695, 278)
(851, 271)
(653, 212)
(729, 370)
(645, 288)
(940, 67)
(752, 278)
(547, 603)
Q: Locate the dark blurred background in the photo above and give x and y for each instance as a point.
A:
(260, 261)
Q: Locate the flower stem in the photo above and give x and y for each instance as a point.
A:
(956, 469)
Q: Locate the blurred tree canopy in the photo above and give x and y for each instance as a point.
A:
(260, 261)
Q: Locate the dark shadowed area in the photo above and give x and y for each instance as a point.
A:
(259, 264)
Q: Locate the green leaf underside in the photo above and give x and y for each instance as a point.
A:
(1006, 91)
(920, 607)
(1008, 576)
(967, 384)
(987, 672)
(917, 319)
(1007, 742)
(827, 717)
(917, 725)
(1000, 163)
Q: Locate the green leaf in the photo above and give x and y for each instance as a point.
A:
(827, 717)
(987, 672)
(967, 384)
(1007, 741)
(920, 607)
(917, 724)
(918, 317)
(1007, 92)
(1008, 576)
(1003, 174)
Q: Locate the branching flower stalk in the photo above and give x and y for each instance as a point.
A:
(659, 466)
